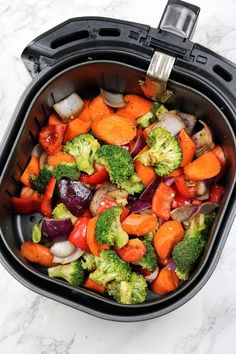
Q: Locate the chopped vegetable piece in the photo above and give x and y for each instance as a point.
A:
(114, 129)
(76, 127)
(204, 167)
(36, 234)
(95, 247)
(60, 158)
(145, 173)
(182, 187)
(39, 183)
(165, 282)
(98, 109)
(112, 99)
(108, 228)
(133, 291)
(32, 169)
(36, 253)
(149, 260)
(61, 212)
(164, 152)
(166, 238)
(27, 205)
(187, 146)
(53, 229)
(51, 137)
(139, 225)
(92, 285)
(69, 108)
(216, 193)
(133, 251)
(46, 205)
(136, 106)
(73, 273)
(98, 177)
(78, 235)
(83, 148)
(162, 201)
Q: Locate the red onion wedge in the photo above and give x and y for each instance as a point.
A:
(53, 229)
(171, 122)
(203, 140)
(183, 213)
(138, 146)
(150, 190)
(76, 254)
(169, 181)
(170, 265)
(189, 121)
(139, 205)
(112, 99)
(151, 277)
(205, 208)
(69, 108)
(62, 249)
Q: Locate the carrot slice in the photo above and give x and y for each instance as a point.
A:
(136, 106)
(31, 169)
(92, 285)
(176, 173)
(162, 201)
(92, 242)
(139, 225)
(187, 146)
(76, 127)
(133, 251)
(219, 153)
(165, 282)
(98, 108)
(146, 173)
(84, 114)
(169, 233)
(114, 129)
(206, 166)
(36, 253)
(59, 158)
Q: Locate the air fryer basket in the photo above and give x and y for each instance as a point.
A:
(194, 92)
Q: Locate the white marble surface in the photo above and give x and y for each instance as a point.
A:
(32, 324)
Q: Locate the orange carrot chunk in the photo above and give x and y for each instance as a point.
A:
(36, 253)
(206, 166)
(114, 129)
(92, 285)
(98, 108)
(92, 242)
(169, 233)
(146, 173)
(76, 127)
(136, 106)
(31, 169)
(60, 158)
(165, 282)
(139, 225)
(187, 146)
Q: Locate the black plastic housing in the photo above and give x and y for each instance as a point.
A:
(82, 55)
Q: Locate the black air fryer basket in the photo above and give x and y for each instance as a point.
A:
(82, 55)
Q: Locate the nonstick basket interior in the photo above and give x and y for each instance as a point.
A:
(86, 79)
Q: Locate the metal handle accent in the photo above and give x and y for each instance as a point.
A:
(157, 76)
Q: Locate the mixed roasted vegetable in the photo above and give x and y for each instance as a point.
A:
(127, 191)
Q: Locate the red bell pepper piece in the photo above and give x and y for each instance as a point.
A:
(26, 205)
(87, 214)
(179, 200)
(106, 203)
(78, 236)
(124, 214)
(46, 205)
(182, 187)
(98, 177)
(162, 201)
(51, 137)
(216, 193)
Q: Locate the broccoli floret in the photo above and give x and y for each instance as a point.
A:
(89, 262)
(108, 228)
(67, 171)
(39, 183)
(118, 162)
(132, 185)
(61, 212)
(149, 260)
(164, 152)
(187, 251)
(133, 291)
(73, 273)
(152, 116)
(110, 268)
(83, 147)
